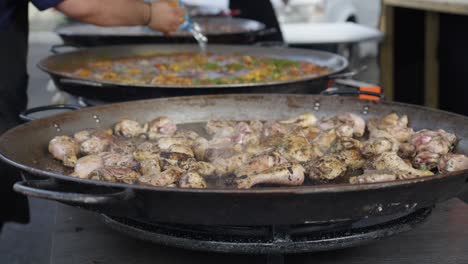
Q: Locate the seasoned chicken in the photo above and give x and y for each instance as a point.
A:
(391, 125)
(304, 120)
(162, 126)
(129, 128)
(64, 148)
(220, 128)
(325, 140)
(181, 149)
(113, 159)
(192, 180)
(95, 145)
(83, 135)
(225, 166)
(203, 168)
(328, 167)
(115, 174)
(272, 128)
(150, 167)
(430, 146)
(345, 124)
(181, 160)
(199, 147)
(284, 174)
(87, 164)
(371, 176)
(376, 146)
(390, 161)
(296, 148)
(310, 133)
(166, 178)
(261, 163)
(166, 142)
(146, 150)
(123, 146)
(453, 162)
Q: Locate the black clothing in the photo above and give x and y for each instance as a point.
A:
(13, 100)
(262, 11)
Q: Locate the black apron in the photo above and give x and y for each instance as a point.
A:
(13, 100)
(262, 11)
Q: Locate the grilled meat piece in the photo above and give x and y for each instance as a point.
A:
(372, 176)
(345, 124)
(181, 149)
(162, 126)
(64, 148)
(328, 167)
(391, 126)
(325, 140)
(225, 166)
(129, 128)
(430, 146)
(169, 177)
(220, 128)
(192, 180)
(120, 160)
(261, 163)
(272, 128)
(87, 164)
(203, 168)
(123, 146)
(170, 159)
(115, 174)
(284, 174)
(304, 120)
(390, 161)
(150, 167)
(166, 142)
(376, 146)
(453, 162)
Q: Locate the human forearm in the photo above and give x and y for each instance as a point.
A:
(107, 12)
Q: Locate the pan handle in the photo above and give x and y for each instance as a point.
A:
(49, 189)
(55, 49)
(25, 115)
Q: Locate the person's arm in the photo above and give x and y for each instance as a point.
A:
(160, 15)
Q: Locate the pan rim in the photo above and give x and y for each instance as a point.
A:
(307, 189)
(61, 30)
(342, 63)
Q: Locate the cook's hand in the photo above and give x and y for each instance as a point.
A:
(166, 17)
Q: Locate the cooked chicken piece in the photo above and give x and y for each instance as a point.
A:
(406, 151)
(256, 126)
(304, 120)
(376, 146)
(225, 166)
(166, 142)
(115, 174)
(220, 128)
(150, 167)
(64, 148)
(310, 133)
(162, 125)
(346, 124)
(187, 134)
(166, 178)
(245, 138)
(296, 148)
(87, 164)
(113, 159)
(453, 162)
(94, 145)
(203, 168)
(261, 163)
(345, 154)
(392, 162)
(181, 160)
(129, 128)
(325, 140)
(146, 150)
(271, 129)
(199, 147)
(438, 141)
(123, 146)
(328, 167)
(181, 149)
(430, 146)
(285, 174)
(192, 180)
(371, 176)
(390, 126)
(83, 135)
